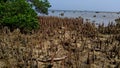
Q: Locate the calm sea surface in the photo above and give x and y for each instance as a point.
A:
(96, 17)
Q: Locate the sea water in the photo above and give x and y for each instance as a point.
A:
(92, 16)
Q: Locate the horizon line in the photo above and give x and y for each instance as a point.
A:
(85, 11)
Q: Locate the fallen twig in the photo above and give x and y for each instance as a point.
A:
(49, 60)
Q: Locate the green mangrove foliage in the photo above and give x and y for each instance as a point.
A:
(41, 5)
(18, 14)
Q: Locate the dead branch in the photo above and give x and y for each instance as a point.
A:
(50, 59)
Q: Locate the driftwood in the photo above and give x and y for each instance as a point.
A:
(54, 60)
(50, 59)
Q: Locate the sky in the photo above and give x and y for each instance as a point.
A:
(86, 5)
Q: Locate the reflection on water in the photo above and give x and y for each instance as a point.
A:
(97, 17)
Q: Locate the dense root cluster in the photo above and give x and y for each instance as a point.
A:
(60, 43)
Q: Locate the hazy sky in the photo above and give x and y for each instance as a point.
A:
(92, 5)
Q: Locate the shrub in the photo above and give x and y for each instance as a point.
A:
(18, 14)
(117, 22)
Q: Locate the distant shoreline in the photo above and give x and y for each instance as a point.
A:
(83, 11)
